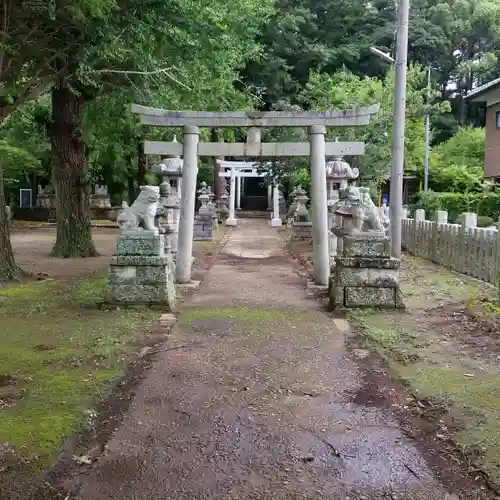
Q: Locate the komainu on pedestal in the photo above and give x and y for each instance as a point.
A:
(365, 275)
(141, 271)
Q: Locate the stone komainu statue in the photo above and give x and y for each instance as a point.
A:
(355, 203)
(141, 214)
(370, 212)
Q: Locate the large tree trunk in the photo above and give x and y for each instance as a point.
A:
(218, 181)
(8, 268)
(131, 194)
(74, 233)
(142, 164)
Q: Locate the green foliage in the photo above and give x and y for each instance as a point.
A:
(456, 165)
(199, 45)
(301, 177)
(23, 144)
(38, 45)
(483, 221)
(454, 178)
(205, 174)
(14, 161)
(483, 204)
(344, 90)
(307, 36)
(63, 357)
(459, 40)
(465, 148)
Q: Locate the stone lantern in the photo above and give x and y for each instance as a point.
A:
(203, 221)
(222, 205)
(211, 207)
(203, 198)
(170, 169)
(293, 206)
(169, 203)
(222, 209)
(338, 174)
(301, 225)
(45, 197)
(211, 197)
(100, 198)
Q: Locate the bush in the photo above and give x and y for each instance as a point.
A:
(483, 221)
(483, 204)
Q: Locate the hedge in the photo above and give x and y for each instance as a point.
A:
(483, 204)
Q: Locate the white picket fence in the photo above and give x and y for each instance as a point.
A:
(463, 247)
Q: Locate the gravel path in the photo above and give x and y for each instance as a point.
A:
(259, 399)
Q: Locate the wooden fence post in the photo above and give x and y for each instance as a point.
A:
(468, 221)
(496, 257)
(441, 217)
(418, 220)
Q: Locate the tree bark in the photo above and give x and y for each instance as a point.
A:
(74, 232)
(9, 270)
(131, 194)
(217, 180)
(142, 164)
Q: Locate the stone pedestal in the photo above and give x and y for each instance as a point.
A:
(203, 227)
(301, 227)
(45, 197)
(301, 230)
(221, 210)
(365, 275)
(100, 198)
(276, 219)
(231, 222)
(141, 273)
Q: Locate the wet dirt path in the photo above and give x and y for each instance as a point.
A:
(257, 398)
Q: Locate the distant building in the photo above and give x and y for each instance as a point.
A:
(490, 95)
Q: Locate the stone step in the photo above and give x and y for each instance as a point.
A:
(244, 214)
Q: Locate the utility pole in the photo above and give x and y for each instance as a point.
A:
(427, 132)
(398, 130)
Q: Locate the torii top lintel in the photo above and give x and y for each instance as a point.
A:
(333, 118)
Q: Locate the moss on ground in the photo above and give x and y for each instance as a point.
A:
(58, 354)
(244, 315)
(436, 363)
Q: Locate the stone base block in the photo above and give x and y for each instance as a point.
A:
(141, 281)
(275, 223)
(184, 287)
(222, 214)
(365, 281)
(365, 296)
(231, 222)
(367, 245)
(142, 243)
(301, 230)
(203, 228)
(369, 277)
(368, 262)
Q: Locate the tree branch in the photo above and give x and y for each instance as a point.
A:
(163, 71)
(30, 91)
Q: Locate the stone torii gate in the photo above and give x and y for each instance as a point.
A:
(237, 171)
(316, 148)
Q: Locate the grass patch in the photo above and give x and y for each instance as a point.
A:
(425, 284)
(427, 348)
(253, 318)
(58, 354)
